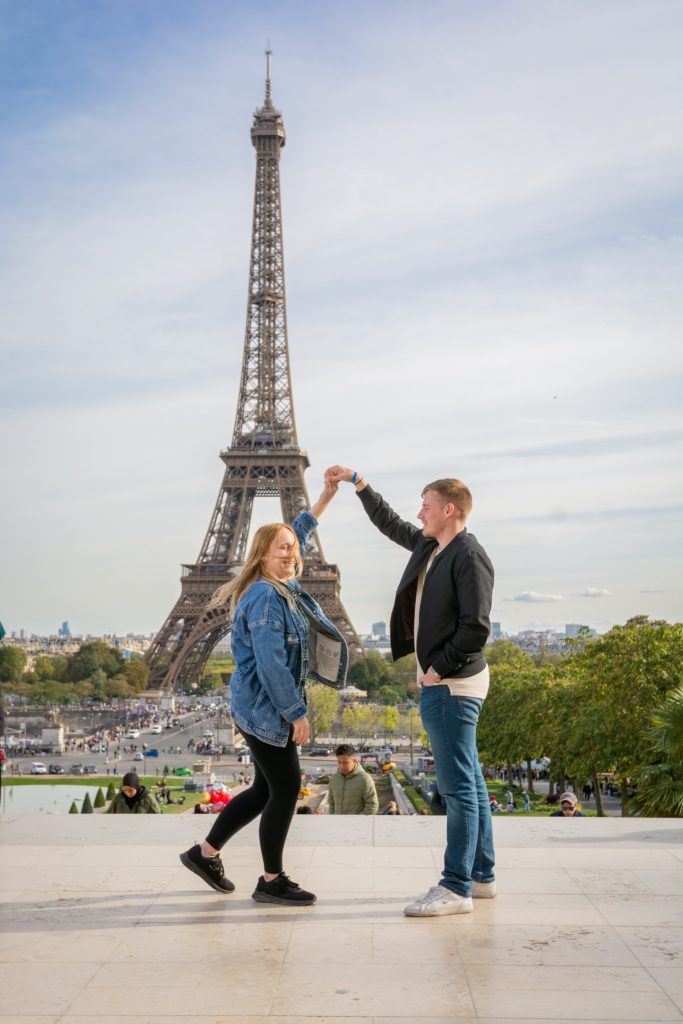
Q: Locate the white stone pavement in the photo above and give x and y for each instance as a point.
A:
(101, 923)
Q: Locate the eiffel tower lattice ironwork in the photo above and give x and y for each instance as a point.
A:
(264, 458)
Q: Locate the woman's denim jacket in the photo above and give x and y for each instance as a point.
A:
(268, 636)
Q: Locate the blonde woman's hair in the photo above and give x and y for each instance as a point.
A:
(254, 569)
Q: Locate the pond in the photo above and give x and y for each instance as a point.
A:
(47, 799)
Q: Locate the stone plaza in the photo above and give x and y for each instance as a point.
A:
(101, 922)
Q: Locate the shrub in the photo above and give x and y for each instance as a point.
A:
(73, 809)
(99, 799)
(111, 791)
(87, 807)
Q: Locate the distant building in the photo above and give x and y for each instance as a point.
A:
(379, 629)
(496, 631)
(64, 629)
(572, 630)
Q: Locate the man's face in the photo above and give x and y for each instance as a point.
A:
(346, 763)
(567, 808)
(434, 513)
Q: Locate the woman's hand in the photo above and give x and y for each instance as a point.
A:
(330, 488)
(301, 730)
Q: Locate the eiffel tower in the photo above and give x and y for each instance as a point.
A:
(264, 458)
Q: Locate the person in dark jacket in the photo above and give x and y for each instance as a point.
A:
(441, 612)
(133, 798)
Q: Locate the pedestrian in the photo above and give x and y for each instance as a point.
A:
(133, 798)
(569, 807)
(275, 626)
(351, 789)
(441, 612)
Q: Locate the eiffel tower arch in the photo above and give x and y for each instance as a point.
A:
(264, 458)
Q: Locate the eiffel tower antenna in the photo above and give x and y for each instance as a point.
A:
(264, 457)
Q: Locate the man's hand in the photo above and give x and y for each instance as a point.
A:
(429, 678)
(338, 473)
(301, 730)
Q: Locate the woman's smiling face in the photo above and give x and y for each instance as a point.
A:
(280, 561)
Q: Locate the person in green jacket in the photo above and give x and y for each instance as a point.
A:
(352, 791)
(133, 798)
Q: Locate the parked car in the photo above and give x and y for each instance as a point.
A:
(133, 734)
(139, 756)
(38, 768)
(320, 752)
(181, 771)
(153, 752)
(55, 769)
(156, 730)
(76, 769)
(90, 769)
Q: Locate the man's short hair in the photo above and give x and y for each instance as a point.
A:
(344, 750)
(452, 490)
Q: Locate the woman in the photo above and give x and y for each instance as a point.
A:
(133, 798)
(275, 630)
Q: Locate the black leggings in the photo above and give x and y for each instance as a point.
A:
(273, 795)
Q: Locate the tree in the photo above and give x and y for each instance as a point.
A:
(111, 791)
(98, 682)
(12, 664)
(323, 704)
(136, 672)
(73, 809)
(391, 720)
(659, 783)
(359, 721)
(94, 655)
(370, 672)
(117, 686)
(622, 678)
(87, 807)
(99, 799)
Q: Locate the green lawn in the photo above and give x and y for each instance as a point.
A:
(151, 781)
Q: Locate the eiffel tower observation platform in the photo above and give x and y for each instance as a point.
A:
(102, 923)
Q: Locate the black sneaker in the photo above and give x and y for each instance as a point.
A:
(282, 890)
(208, 868)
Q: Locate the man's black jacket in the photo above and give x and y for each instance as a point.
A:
(456, 600)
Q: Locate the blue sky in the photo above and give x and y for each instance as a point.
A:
(483, 252)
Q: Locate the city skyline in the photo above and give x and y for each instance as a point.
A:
(482, 248)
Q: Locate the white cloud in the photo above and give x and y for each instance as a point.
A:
(593, 592)
(533, 597)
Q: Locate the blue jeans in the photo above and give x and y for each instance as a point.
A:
(451, 724)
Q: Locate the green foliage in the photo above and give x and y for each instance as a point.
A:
(93, 656)
(12, 664)
(111, 791)
(504, 652)
(391, 720)
(369, 673)
(99, 799)
(136, 673)
(87, 807)
(359, 721)
(73, 809)
(659, 783)
(323, 704)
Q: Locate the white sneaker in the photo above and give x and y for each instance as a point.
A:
(437, 902)
(483, 890)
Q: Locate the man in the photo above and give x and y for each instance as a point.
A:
(441, 612)
(569, 807)
(352, 791)
(133, 798)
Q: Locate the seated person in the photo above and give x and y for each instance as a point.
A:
(569, 807)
